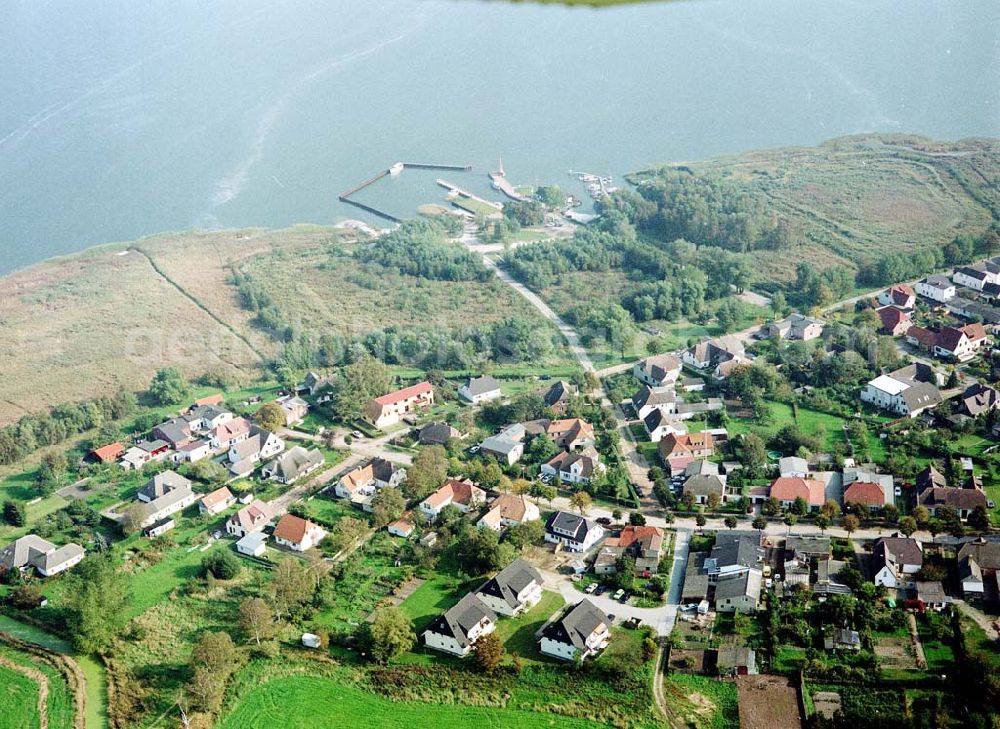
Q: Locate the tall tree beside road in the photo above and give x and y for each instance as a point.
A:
(270, 417)
(581, 501)
(358, 383)
(97, 593)
(427, 472)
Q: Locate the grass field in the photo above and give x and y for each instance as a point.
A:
(18, 700)
(59, 704)
(703, 702)
(310, 702)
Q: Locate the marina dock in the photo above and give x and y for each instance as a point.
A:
(395, 170)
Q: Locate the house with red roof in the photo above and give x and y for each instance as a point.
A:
(866, 494)
(389, 409)
(108, 453)
(960, 343)
(464, 495)
(678, 450)
(901, 295)
(786, 489)
(895, 321)
(298, 534)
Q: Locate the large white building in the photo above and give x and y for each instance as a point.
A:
(936, 288)
(900, 396)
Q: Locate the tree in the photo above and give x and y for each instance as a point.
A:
(823, 522)
(15, 513)
(270, 417)
(625, 572)
(616, 515)
(480, 550)
(488, 653)
(212, 662)
(730, 522)
(759, 523)
(292, 585)
(347, 531)
(935, 526)
(427, 472)
(713, 501)
(97, 600)
(979, 519)
(387, 506)
(688, 499)
(580, 501)
(390, 634)
(257, 619)
(790, 520)
(132, 518)
(359, 382)
(700, 520)
(907, 525)
(221, 564)
(921, 514)
(526, 533)
(168, 387)
(890, 513)
(636, 519)
(830, 509)
(799, 506)
(26, 597)
(753, 453)
(850, 524)
(52, 467)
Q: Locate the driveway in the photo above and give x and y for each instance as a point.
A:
(654, 617)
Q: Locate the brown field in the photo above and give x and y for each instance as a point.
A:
(895, 652)
(767, 702)
(826, 703)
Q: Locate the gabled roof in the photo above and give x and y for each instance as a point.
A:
(481, 385)
(560, 391)
(574, 627)
(297, 460)
(896, 552)
(293, 528)
(176, 430)
(956, 498)
(232, 429)
(789, 488)
(744, 584)
(661, 366)
(215, 399)
(892, 317)
(564, 460)
(437, 433)
(24, 551)
(162, 483)
(421, 388)
(705, 485)
(643, 537)
(108, 452)
(986, 554)
(509, 582)
(921, 395)
(575, 526)
(510, 506)
(737, 548)
(253, 516)
(454, 491)
(462, 618)
(647, 395)
(979, 398)
(865, 493)
(930, 477)
(922, 335)
(219, 496)
(570, 429)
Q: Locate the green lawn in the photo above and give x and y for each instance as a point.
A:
(679, 689)
(18, 700)
(518, 634)
(59, 705)
(317, 702)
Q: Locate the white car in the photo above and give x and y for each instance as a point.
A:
(591, 588)
(357, 434)
(474, 449)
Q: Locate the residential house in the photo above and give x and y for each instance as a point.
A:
(507, 446)
(478, 390)
(936, 288)
(979, 568)
(108, 453)
(659, 371)
(933, 492)
(960, 343)
(254, 544)
(389, 409)
(972, 277)
(293, 464)
(794, 327)
(922, 338)
(571, 434)
(643, 543)
(159, 528)
(216, 399)
(228, 434)
(969, 309)
(368, 478)
(295, 409)
(176, 432)
(688, 410)
(193, 451)
(869, 495)
(788, 489)
(260, 446)
(736, 661)
(457, 631)
(708, 354)
(793, 466)
(463, 495)
(651, 399)
(574, 466)
(513, 590)
(734, 552)
(207, 417)
(403, 527)
(739, 593)
(900, 393)
(895, 321)
(678, 450)
(583, 630)
(507, 510)
(31, 552)
(144, 452)
(437, 433)
(164, 495)
(572, 532)
(900, 295)
(895, 560)
(249, 519)
(842, 639)
(313, 384)
(659, 424)
(298, 534)
(217, 501)
(931, 595)
(704, 485)
(978, 399)
(559, 395)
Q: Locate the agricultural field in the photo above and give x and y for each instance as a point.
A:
(703, 702)
(767, 702)
(17, 667)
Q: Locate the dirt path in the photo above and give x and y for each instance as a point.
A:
(918, 647)
(658, 696)
(43, 688)
(981, 619)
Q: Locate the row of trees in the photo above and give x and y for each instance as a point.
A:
(421, 248)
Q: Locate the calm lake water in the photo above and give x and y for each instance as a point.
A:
(122, 118)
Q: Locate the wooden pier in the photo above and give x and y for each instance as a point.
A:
(466, 194)
(394, 170)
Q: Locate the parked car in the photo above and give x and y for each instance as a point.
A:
(601, 589)
(626, 596)
(357, 434)
(603, 520)
(618, 594)
(591, 588)
(474, 449)
(611, 617)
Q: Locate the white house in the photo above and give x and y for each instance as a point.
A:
(659, 371)
(583, 631)
(228, 434)
(513, 590)
(508, 510)
(972, 277)
(479, 390)
(193, 451)
(253, 544)
(573, 466)
(903, 397)
(203, 418)
(895, 560)
(389, 409)
(573, 532)
(936, 288)
(650, 399)
(217, 501)
(295, 463)
(298, 534)
(32, 552)
(164, 495)
(260, 446)
(463, 495)
(659, 425)
(365, 480)
(460, 627)
(251, 518)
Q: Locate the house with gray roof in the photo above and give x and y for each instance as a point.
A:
(437, 433)
(458, 629)
(176, 431)
(658, 371)
(583, 630)
(513, 590)
(480, 389)
(507, 446)
(246, 454)
(739, 593)
(31, 552)
(734, 552)
(293, 464)
(572, 531)
(164, 495)
(558, 396)
(647, 399)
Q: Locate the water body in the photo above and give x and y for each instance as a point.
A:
(121, 118)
